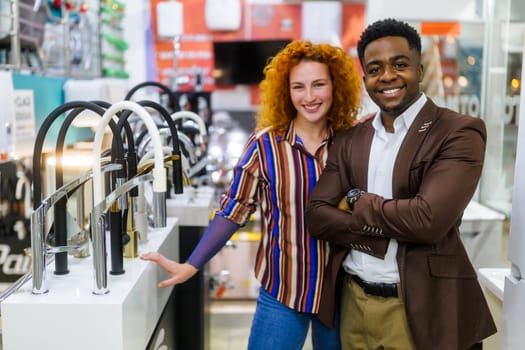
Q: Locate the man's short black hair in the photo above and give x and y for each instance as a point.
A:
(388, 27)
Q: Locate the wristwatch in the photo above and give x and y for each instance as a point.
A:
(352, 196)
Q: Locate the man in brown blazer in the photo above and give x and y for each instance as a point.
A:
(406, 175)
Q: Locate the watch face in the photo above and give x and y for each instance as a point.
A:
(352, 196)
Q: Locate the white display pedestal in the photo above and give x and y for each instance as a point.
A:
(493, 282)
(193, 207)
(481, 231)
(70, 316)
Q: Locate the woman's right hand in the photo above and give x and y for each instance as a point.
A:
(179, 273)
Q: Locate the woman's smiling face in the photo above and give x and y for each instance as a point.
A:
(311, 90)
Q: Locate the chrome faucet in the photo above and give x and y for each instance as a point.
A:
(184, 140)
(159, 187)
(97, 231)
(39, 249)
(60, 212)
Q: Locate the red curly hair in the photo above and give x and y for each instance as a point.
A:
(276, 109)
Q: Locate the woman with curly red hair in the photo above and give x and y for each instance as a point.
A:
(309, 92)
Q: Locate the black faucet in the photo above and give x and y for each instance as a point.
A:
(60, 217)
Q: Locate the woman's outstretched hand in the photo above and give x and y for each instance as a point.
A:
(179, 273)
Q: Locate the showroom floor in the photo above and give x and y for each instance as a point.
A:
(230, 322)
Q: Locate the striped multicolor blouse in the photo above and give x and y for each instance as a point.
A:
(279, 174)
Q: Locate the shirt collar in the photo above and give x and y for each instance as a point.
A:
(291, 135)
(405, 119)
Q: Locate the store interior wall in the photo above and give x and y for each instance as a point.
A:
(48, 93)
(444, 10)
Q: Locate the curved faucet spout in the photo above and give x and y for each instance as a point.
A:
(39, 251)
(159, 174)
(203, 131)
(162, 87)
(159, 183)
(60, 217)
(177, 166)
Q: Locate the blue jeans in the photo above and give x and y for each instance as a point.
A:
(277, 327)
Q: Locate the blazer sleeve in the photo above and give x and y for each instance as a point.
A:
(445, 176)
(324, 220)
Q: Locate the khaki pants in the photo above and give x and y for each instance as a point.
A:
(371, 322)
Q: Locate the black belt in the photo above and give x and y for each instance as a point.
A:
(385, 290)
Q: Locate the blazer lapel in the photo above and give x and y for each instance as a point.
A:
(415, 136)
(360, 152)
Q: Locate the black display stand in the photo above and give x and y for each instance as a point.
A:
(165, 332)
(191, 307)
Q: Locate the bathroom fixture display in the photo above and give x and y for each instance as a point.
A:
(97, 229)
(39, 249)
(60, 223)
(119, 212)
(225, 141)
(144, 215)
(203, 131)
(159, 187)
(177, 182)
(164, 88)
(117, 156)
(188, 147)
(176, 165)
(188, 150)
(71, 316)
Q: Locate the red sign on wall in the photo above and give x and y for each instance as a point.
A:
(258, 21)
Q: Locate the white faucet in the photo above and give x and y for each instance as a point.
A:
(159, 186)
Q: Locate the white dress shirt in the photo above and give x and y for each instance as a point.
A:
(383, 154)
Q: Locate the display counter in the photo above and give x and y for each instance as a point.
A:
(70, 316)
(481, 231)
(193, 208)
(493, 282)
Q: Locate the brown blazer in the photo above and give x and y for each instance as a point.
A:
(435, 175)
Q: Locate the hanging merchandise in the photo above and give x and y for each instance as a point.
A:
(70, 45)
(20, 45)
(113, 45)
(78, 24)
(74, 7)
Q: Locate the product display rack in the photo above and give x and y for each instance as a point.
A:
(53, 38)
